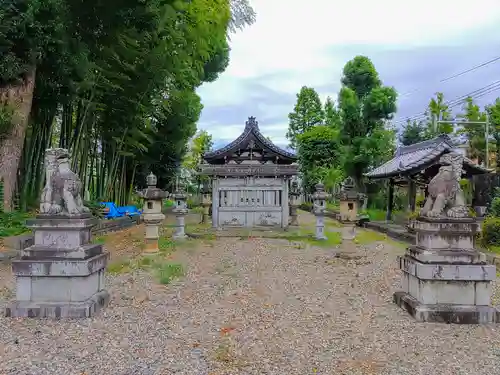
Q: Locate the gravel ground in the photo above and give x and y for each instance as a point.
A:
(256, 306)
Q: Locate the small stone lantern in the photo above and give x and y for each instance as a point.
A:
(180, 210)
(349, 200)
(319, 198)
(294, 202)
(152, 215)
(206, 202)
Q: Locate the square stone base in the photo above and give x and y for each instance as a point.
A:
(443, 313)
(58, 310)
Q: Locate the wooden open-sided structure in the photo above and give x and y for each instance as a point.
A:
(415, 165)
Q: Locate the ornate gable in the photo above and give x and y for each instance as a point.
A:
(251, 147)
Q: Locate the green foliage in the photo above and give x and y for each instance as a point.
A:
(438, 110)
(13, 223)
(5, 121)
(167, 272)
(490, 234)
(115, 83)
(475, 132)
(413, 132)
(307, 113)
(332, 115)
(364, 106)
(494, 117)
(319, 156)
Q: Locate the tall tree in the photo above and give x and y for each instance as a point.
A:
(365, 106)
(494, 118)
(438, 110)
(318, 153)
(413, 132)
(332, 115)
(307, 113)
(105, 88)
(474, 130)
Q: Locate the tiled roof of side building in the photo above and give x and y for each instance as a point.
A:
(413, 158)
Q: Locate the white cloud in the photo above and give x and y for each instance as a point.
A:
(291, 40)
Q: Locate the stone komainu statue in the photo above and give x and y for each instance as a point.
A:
(61, 194)
(446, 198)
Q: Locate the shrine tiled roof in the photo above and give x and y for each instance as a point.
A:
(251, 132)
(411, 159)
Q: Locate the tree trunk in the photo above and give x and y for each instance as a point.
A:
(18, 98)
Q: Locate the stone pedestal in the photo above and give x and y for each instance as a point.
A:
(294, 222)
(348, 230)
(180, 210)
(349, 200)
(319, 198)
(151, 213)
(445, 279)
(62, 274)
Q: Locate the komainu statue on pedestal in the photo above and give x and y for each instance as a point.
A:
(61, 194)
(446, 198)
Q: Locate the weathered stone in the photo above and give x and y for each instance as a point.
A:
(457, 314)
(180, 210)
(61, 194)
(62, 274)
(446, 198)
(349, 200)
(444, 278)
(151, 213)
(319, 198)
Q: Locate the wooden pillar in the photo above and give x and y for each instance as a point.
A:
(390, 200)
(412, 195)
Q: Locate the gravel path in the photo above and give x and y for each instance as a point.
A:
(256, 306)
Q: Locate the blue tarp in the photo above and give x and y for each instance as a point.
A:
(116, 212)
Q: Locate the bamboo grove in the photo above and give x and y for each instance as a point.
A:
(114, 82)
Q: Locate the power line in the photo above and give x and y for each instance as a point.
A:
(458, 74)
(478, 93)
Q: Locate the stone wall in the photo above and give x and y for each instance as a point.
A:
(16, 243)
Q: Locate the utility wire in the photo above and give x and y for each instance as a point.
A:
(458, 74)
(492, 87)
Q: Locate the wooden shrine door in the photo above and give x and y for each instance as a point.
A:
(252, 202)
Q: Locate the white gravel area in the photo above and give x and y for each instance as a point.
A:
(256, 306)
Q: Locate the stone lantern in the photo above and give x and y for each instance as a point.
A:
(152, 215)
(206, 202)
(180, 210)
(349, 200)
(319, 198)
(294, 202)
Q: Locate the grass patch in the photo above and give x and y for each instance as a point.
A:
(166, 272)
(365, 237)
(166, 245)
(13, 223)
(332, 238)
(119, 267)
(493, 249)
(99, 240)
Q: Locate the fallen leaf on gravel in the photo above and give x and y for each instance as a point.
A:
(226, 330)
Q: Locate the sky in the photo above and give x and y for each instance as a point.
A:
(413, 44)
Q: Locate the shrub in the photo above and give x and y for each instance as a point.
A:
(495, 207)
(306, 206)
(491, 231)
(13, 223)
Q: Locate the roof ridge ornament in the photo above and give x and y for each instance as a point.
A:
(252, 123)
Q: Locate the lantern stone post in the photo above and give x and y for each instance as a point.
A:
(349, 200)
(180, 210)
(319, 198)
(206, 202)
(294, 202)
(151, 214)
